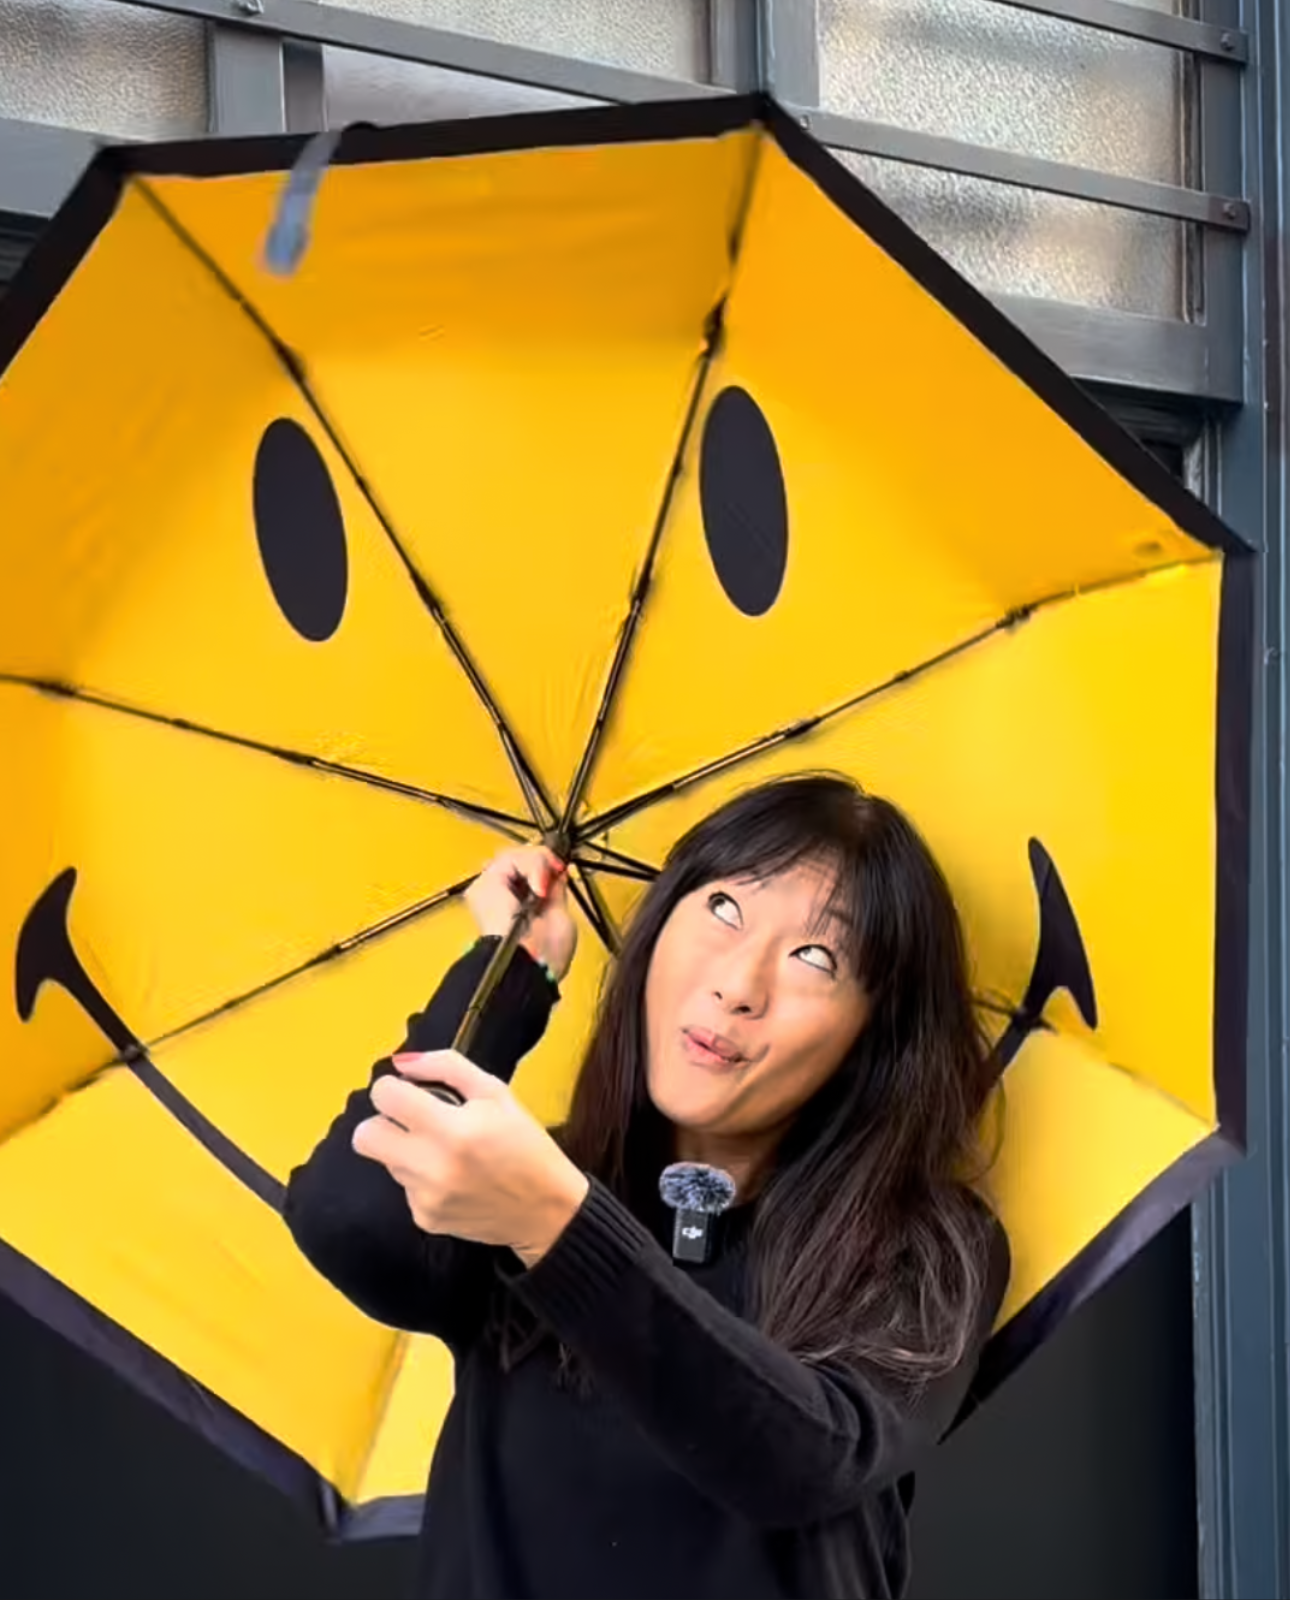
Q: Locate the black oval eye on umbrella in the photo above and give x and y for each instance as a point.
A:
(744, 502)
(46, 955)
(300, 530)
(1061, 961)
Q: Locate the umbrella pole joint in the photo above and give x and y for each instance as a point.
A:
(559, 841)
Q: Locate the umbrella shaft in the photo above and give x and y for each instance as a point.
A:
(493, 975)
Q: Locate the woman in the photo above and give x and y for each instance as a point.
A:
(791, 1005)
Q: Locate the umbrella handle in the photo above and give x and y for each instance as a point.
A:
(494, 972)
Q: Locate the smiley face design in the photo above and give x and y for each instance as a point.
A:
(577, 478)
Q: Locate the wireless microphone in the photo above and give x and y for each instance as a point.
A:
(697, 1194)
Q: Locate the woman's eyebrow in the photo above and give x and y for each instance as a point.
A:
(830, 917)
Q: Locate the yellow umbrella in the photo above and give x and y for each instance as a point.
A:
(586, 467)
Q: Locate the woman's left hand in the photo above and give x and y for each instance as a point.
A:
(486, 1170)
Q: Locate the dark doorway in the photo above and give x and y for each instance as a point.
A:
(1078, 1480)
(103, 1494)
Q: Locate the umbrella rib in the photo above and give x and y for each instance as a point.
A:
(139, 1061)
(806, 725)
(614, 869)
(605, 855)
(794, 730)
(713, 338)
(399, 1346)
(501, 821)
(321, 958)
(540, 803)
(644, 578)
(588, 896)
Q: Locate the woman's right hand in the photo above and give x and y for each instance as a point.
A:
(552, 936)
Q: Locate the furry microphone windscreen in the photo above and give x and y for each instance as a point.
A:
(690, 1186)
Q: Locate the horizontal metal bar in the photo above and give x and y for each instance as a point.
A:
(39, 165)
(1137, 22)
(305, 20)
(1025, 172)
(310, 22)
(1183, 361)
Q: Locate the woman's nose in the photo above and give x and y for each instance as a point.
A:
(741, 987)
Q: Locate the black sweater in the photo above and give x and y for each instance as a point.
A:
(705, 1462)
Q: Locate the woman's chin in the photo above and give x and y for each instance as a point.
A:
(692, 1106)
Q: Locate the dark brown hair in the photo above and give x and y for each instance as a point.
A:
(868, 1243)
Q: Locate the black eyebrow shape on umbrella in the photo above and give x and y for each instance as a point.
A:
(540, 803)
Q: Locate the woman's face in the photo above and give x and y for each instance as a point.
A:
(750, 1005)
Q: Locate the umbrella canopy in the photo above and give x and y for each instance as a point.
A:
(588, 467)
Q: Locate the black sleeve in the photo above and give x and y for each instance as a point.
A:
(349, 1217)
(772, 1439)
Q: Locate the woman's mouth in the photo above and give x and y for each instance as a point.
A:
(712, 1050)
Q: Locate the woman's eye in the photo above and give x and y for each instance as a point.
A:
(724, 908)
(815, 955)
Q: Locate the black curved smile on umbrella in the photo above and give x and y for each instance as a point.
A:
(46, 954)
(301, 539)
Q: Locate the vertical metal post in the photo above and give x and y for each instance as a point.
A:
(1215, 158)
(734, 44)
(303, 86)
(789, 50)
(1241, 1256)
(245, 72)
